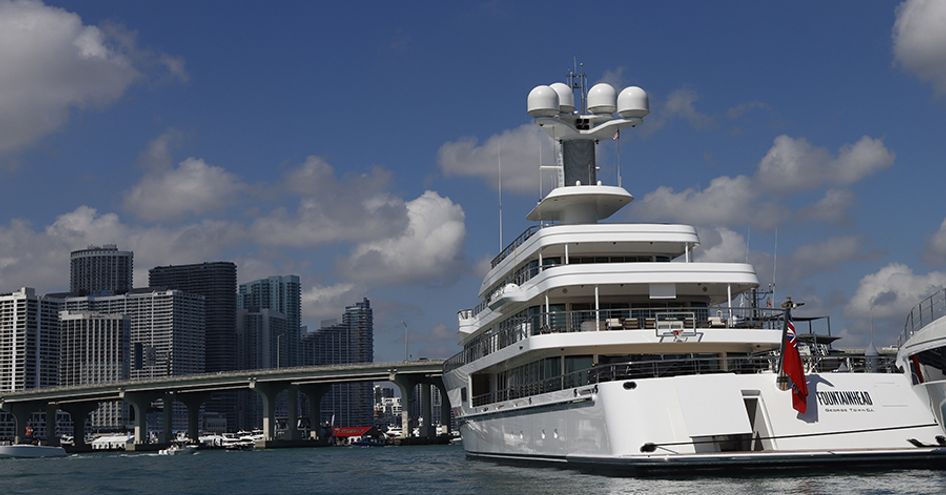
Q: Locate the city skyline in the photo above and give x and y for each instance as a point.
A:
(185, 140)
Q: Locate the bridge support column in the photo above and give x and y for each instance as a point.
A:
(167, 415)
(268, 392)
(79, 412)
(445, 409)
(193, 401)
(426, 411)
(406, 385)
(314, 393)
(51, 437)
(292, 407)
(21, 413)
(141, 403)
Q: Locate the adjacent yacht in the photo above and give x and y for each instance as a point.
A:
(923, 351)
(607, 345)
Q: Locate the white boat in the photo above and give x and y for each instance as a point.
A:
(30, 451)
(606, 345)
(178, 449)
(923, 352)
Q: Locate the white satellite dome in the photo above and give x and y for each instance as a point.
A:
(566, 99)
(543, 102)
(601, 99)
(632, 102)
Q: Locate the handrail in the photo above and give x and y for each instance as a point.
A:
(631, 370)
(928, 310)
(529, 232)
(524, 325)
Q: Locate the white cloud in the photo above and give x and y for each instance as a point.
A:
(681, 102)
(520, 155)
(891, 292)
(53, 63)
(831, 208)
(40, 257)
(333, 209)
(721, 245)
(936, 246)
(427, 250)
(157, 156)
(726, 201)
(919, 40)
(193, 187)
(793, 164)
(328, 301)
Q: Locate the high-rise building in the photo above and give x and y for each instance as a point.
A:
(29, 346)
(94, 348)
(282, 294)
(29, 340)
(165, 329)
(261, 341)
(101, 269)
(217, 283)
(351, 341)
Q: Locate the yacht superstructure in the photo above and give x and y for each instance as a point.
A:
(607, 344)
(923, 351)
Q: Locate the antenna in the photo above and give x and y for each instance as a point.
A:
(577, 79)
(406, 354)
(500, 165)
(774, 264)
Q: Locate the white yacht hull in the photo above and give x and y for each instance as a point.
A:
(930, 385)
(30, 451)
(683, 421)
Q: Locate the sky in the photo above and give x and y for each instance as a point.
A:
(356, 145)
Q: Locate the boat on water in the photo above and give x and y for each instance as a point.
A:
(30, 451)
(608, 346)
(923, 351)
(179, 449)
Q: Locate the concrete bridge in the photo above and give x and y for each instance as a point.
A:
(193, 390)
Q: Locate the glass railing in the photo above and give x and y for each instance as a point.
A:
(632, 370)
(659, 320)
(523, 237)
(930, 309)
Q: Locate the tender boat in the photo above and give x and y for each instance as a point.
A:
(177, 449)
(923, 351)
(30, 451)
(608, 346)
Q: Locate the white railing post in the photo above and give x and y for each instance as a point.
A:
(729, 303)
(597, 313)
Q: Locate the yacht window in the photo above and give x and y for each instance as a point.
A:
(463, 394)
(933, 363)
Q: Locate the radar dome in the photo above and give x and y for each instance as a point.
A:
(543, 102)
(566, 99)
(632, 102)
(601, 99)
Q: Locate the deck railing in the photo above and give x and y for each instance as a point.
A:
(931, 308)
(632, 370)
(658, 320)
(523, 237)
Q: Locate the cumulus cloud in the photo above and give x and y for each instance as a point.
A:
(793, 164)
(831, 208)
(919, 40)
(333, 209)
(194, 186)
(936, 246)
(721, 245)
(681, 103)
(520, 149)
(428, 250)
(40, 257)
(892, 291)
(828, 255)
(328, 301)
(60, 64)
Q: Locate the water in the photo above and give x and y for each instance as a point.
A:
(397, 470)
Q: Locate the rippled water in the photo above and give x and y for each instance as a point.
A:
(398, 470)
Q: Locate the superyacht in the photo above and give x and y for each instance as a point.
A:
(607, 345)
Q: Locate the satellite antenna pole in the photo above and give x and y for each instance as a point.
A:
(500, 166)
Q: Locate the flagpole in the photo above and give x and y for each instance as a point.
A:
(781, 378)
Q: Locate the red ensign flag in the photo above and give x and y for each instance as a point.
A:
(791, 363)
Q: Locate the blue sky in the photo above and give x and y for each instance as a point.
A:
(356, 146)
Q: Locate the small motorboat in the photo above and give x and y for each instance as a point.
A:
(30, 451)
(178, 449)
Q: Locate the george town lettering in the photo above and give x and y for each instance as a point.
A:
(845, 398)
